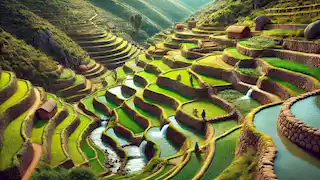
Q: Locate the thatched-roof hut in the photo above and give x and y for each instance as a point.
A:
(238, 32)
(47, 110)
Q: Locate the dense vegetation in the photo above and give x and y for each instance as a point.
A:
(25, 61)
(61, 173)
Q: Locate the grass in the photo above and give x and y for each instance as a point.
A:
(293, 66)
(214, 61)
(100, 153)
(190, 45)
(95, 166)
(20, 93)
(221, 127)
(241, 167)
(158, 63)
(166, 169)
(259, 43)
(128, 122)
(79, 80)
(58, 155)
(185, 78)
(284, 32)
(213, 81)
(75, 138)
(66, 74)
(12, 141)
(294, 89)
(155, 121)
(166, 108)
(87, 149)
(250, 72)
(181, 58)
(149, 77)
(110, 104)
(5, 78)
(236, 54)
(223, 156)
(89, 104)
(168, 92)
(242, 105)
(191, 168)
(211, 110)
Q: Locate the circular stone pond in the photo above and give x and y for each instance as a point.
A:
(291, 162)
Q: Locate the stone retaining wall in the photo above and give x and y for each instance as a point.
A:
(242, 63)
(274, 88)
(196, 124)
(153, 109)
(128, 90)
(160, 98)
(137, 117)
(284, 26)
(150, 150)
(296, 130)
(102, 107)
(302, 46)
(212, 72)
(110, 141)
(176, 137)
(265, 149)
(127, 134)
(113, 98)
(246, 78)
(140, 80)
(174, 64)
(221, 41)
(152, 69)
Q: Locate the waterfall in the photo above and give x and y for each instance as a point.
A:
(104, 123)
(142, 146)
(164, 130)
(248, 95)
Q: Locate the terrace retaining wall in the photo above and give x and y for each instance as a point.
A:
(140, 80)
(296, 130)
(102, 107)
(137, 117)
(127, 134)
(302, 46)
(175, 136)
(181, 88)
(113, 98)
(160, 98)
(7, 91)
(273, 88)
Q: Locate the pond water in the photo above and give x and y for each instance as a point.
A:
(291, 161)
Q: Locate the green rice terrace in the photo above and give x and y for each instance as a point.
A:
(231, 92)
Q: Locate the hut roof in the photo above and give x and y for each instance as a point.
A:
(49, 105)
(236, 29)
(83, 67)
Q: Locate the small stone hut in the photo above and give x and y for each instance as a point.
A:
(47, 110)
(238, 32)
(83, 68)
(180, 26)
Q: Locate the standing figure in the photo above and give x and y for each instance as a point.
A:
(203, 114)
(191, 80)
(196, 147)
(179, 77)
(195, 112)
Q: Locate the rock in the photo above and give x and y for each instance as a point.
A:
(309, 146)
(261, 21)
(312, 31)
(317, 133)
(316, 148)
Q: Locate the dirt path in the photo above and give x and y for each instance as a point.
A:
(37, 152)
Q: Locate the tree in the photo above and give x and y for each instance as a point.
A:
(136, 22)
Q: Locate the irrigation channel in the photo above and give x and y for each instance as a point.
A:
(137, 159)
(291, 161)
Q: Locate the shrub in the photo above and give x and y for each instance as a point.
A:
(81, 174)
(250, 72)
(260, 43)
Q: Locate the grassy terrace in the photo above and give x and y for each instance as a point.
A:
(88, 101)
(211, 110)
(213, 61)
(66, 74)
(57, 152)
(128, 122)
(185, 77)
(101, 155)
(223, 156)
(5, 78)
(12, 139)
(39, 125)
(95, 166)
(75, 138)
(213, 81)
(155, 121)
(283, 32)
(167, 109)
(232, 52)
(110, 104)
(162, 66)
(190, 45)
(293, 66)
(79, 80)
(181, 58)
(191, 168)
(147, 174)
(149, 77)
(88, 151)
(234, 97)
(250, 72)
(292, 89)
(168, 92)
(221, 127)
(116, 42)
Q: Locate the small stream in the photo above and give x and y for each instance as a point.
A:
(159, 137)
(112, 156)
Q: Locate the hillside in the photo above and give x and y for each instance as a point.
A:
(157, 14)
